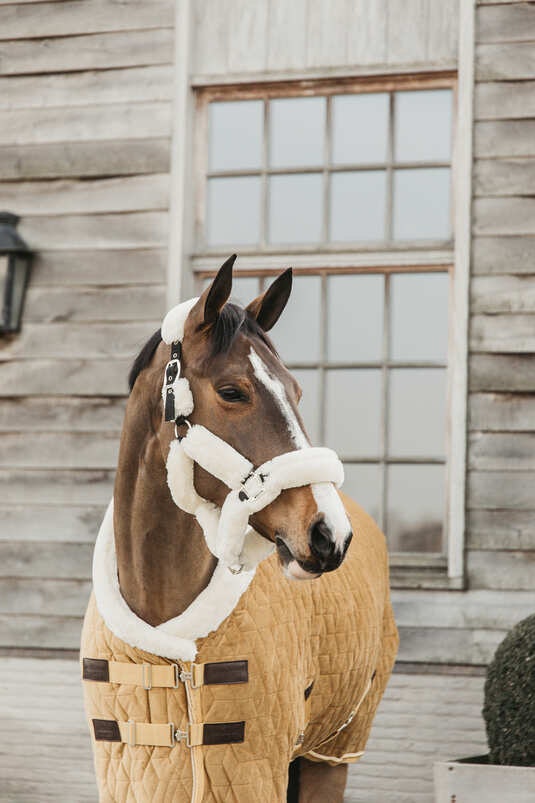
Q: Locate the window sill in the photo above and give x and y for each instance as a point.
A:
(415, 570)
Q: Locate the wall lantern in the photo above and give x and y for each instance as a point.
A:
(15, 261)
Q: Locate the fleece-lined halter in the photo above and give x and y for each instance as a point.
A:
(226, 530)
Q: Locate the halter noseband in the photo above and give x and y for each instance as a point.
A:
(227, 531)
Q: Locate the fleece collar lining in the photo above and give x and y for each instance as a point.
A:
(175, 638)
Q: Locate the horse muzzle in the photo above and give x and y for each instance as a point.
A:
(325, 556)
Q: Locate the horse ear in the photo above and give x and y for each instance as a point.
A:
(268, 307)
(216, 296)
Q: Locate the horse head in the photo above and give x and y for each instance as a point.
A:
(238, 402)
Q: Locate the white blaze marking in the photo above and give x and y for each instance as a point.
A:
(327, 500)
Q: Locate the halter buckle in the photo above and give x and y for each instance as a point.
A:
(172, 371)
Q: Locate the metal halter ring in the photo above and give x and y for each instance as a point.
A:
(178, 423)
(236, 569)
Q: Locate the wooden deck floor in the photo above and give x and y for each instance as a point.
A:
(45, 752)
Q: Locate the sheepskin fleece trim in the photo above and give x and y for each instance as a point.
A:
(175, 638)
(175, 320)
(216, 456)
(227, 533)
(254, 547)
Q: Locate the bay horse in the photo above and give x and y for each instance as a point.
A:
(210, 672)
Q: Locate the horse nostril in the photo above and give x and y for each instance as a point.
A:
(321, 540)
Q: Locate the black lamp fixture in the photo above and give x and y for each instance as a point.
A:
(15, 262)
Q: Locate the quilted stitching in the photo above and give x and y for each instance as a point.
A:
(335, 632)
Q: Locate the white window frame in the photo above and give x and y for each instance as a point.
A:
(411, 570)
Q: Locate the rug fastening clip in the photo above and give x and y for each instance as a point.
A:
(178, 736)
(131, 733)
(147, 676)
(188, 677)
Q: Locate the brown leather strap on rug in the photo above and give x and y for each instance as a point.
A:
(167, 676)
(166, 735)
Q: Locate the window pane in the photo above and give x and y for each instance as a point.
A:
(353, 421)
(235, 135)
(297, 132)
(422, 204)
(363, 483)
(423, 125)
(419, 326)
(415, 508)
(244, 289)
(309, 405)
(417, 412)
(355, 318)
(297, 332)
(233, 211)
(295, 209)
(360, 128)
(358, 206)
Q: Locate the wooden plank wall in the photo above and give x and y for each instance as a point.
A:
(501, 449)
(320, 37)
(237, 37)
(85, 125)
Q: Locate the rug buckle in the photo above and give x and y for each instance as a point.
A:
(178, 736)
(131, 738)
(189, 677)
(147, 676)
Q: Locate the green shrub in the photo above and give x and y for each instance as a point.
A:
(509, 709)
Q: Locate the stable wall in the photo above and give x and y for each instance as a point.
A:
(85, 124)
(86, 120)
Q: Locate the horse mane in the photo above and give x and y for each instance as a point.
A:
(231, 320)
(144, 357)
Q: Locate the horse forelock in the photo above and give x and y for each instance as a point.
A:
(231, 321)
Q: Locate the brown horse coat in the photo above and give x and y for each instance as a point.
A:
(318, 655)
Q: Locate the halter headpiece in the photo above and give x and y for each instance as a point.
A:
(227, 531)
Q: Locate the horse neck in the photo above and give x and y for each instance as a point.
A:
(162, 558)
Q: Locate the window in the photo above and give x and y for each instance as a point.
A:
(332, 169)
(354, 181)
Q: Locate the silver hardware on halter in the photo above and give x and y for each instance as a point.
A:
(185, 421)
(175, 362)
(236, 569)
(252, 486)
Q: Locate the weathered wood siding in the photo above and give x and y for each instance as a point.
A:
(244, 41)
(85, 125)
(501, 445)
(240, 38)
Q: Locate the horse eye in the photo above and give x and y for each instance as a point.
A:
(232, 394)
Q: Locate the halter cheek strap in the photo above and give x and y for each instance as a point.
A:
(228, 534)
